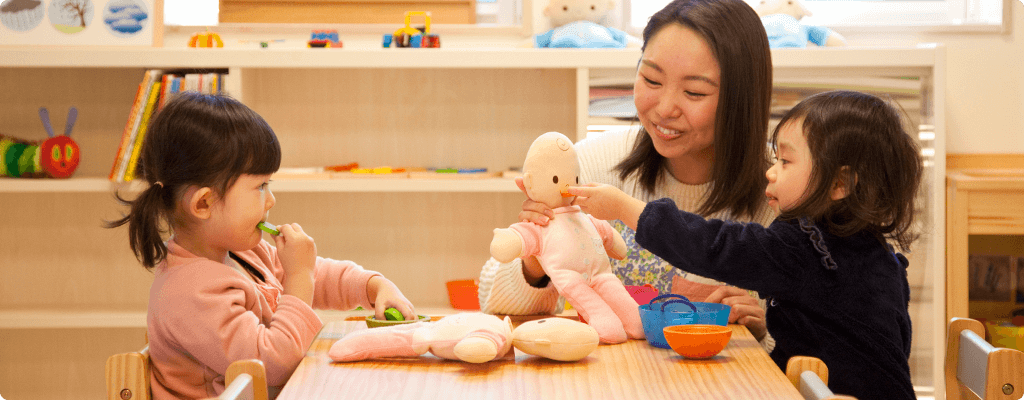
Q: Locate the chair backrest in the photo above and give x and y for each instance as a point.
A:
(977, 370)
(245, 380)
(810, 376)
(128, 375)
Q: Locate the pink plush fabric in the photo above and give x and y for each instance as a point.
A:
(441, 338)
(571, 249)
(203, 315)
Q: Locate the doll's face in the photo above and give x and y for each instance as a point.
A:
(793, 8)
(561, 12)
(550, 168)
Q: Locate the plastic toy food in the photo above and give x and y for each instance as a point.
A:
(56, 157)
(268, 228)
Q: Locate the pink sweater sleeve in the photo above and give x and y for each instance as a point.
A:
(338, 284)
(341, 285)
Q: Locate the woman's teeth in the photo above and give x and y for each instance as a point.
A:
(667, 132)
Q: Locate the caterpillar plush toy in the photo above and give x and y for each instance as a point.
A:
(56, 157)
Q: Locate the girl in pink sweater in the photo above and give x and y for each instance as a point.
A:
(221, 293)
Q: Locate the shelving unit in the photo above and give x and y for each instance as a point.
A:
(73, 293)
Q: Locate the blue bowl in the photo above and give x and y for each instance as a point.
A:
(681, 311)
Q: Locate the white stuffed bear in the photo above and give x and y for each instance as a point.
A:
(578, 24)
(470, 337)
(781, 20)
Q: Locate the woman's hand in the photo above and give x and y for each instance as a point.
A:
(297, 252)
(608, 203)
(533, 211)
(385, 295)
(746, 310)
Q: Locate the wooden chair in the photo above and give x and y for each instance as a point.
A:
(245, 380)
(128, 377)
(977, 370)
(810, 376)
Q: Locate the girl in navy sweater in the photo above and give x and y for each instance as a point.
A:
(844, 182)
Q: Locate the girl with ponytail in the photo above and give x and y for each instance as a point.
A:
(220, 292)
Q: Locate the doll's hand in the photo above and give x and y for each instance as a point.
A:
(297, 252)
(385, 295)
(506, 245)
(533, 211)
(608, 203)
(745, 309)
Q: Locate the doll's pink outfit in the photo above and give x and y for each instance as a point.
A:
(571, 249)
(203, 315)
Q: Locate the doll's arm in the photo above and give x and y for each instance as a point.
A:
(506, 245)
(618, 249)
(392, 341)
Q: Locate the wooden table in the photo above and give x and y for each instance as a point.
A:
(633, 370)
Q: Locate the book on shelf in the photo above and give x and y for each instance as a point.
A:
(157, 87)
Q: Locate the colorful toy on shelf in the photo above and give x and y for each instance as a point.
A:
(408, 36)
(205, 39)
(324, 38)
(56, 157)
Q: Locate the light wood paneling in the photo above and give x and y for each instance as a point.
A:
(984, 161)
(346, 11)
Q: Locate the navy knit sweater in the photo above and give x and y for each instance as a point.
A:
(841, 299)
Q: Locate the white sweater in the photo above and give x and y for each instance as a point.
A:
(503, 288)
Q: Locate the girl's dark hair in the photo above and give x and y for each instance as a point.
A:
(738, 41)
(194, 140)
(860, 138)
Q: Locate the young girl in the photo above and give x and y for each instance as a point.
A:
(220, 293)
(844, 182)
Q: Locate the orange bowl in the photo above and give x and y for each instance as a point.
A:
(697, 341)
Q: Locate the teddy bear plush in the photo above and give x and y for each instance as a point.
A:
(781, 20)
(578, 24)
(470, 337)
(574, 247)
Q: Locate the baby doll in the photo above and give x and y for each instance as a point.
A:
(470, 337)
(573, 248)
(577, 24)
(781, 20)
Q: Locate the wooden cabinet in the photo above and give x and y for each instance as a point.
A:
(72, 293)
(345, 11)
(981, 202)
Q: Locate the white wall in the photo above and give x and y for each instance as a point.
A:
(984, 83)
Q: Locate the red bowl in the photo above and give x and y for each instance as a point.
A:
(463, 294)
(697, 341)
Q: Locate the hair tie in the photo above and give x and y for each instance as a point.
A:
(158, 183)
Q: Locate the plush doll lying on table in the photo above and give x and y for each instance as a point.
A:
(578, 25)
(470, 337)
(781, 20)
(573, 248)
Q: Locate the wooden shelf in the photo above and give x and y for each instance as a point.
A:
(360, 185)
(458, 58)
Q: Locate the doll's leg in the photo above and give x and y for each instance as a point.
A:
(621, 303)
(593, 308)
(392, 341)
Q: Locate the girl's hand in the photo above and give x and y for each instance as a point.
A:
(297, 252)
(608, 203)
(533, 211)
(385, 295)
(746, 310)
